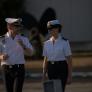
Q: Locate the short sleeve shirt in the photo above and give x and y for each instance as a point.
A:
(13, 49)
(57, 51)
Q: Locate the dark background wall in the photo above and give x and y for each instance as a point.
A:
(9, 8)
(75, 15)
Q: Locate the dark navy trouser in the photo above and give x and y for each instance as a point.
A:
(58, 70)
(13, 76)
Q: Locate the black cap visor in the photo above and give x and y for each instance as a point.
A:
(54, 26)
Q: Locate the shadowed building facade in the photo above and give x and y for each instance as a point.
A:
(75, 15)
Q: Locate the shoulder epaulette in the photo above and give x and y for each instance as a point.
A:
(2, 39)
(22, 34)
(64, 38)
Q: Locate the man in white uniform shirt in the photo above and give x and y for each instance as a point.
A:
(57, 55)
(12, 47)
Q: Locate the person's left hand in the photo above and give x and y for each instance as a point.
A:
(69, 79)
(20, 42)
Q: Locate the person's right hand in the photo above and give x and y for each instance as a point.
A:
(44, 77)
(5, 56)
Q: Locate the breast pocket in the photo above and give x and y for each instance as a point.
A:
(59, 50)
(50, 51)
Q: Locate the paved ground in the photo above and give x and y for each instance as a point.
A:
(37, 87)
(78, 85)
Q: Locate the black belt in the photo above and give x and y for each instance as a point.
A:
(56, 62)
(12, 66)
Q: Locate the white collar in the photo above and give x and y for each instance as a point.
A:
(59, 38)
(8, 35)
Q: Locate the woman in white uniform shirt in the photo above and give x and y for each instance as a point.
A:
(12, 48)
(57, 55)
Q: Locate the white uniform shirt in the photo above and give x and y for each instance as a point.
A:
(13, 49)
(57, 51)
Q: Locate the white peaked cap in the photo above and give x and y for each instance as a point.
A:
(12, 20)
(53, 22)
